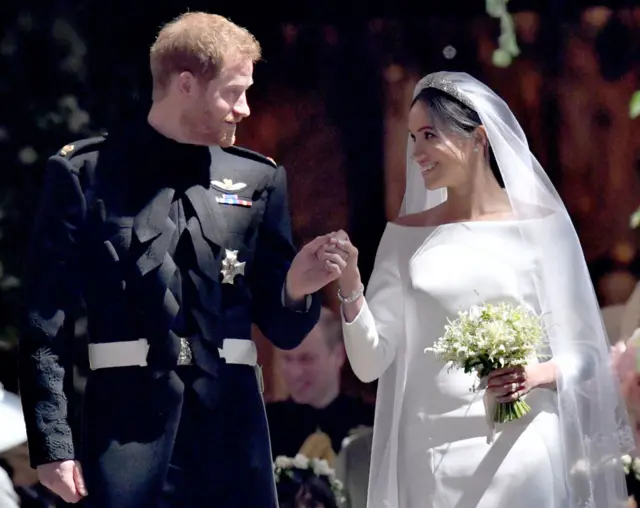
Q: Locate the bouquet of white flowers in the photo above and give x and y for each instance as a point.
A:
(489, 337)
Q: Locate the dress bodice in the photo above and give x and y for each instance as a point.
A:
(447, 269)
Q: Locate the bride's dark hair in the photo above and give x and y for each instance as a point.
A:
(449, 114)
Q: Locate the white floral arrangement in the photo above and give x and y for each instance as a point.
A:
(319, 467)
(489, 337)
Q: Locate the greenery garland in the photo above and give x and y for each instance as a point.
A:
(508, 45)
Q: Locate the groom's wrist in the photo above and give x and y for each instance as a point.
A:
(292, 293)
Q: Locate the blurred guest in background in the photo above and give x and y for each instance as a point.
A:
(315, 406)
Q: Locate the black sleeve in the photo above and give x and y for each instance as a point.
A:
(51, 297)
(283, 325)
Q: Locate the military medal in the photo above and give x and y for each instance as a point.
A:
(231, 266)
(233, 199)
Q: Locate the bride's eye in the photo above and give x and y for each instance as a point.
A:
(429, 135)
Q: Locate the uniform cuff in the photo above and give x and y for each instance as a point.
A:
(301, 306)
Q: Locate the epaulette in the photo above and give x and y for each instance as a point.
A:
(250, 154)
(81, 147)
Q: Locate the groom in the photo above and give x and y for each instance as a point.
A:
(176, 241)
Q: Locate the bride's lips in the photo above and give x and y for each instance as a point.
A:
(427, 168)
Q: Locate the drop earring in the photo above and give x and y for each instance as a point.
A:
(475, 148)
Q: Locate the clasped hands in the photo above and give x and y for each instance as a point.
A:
(321, 261)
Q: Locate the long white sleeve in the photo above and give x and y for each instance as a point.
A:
(371, 338)
(368, 352)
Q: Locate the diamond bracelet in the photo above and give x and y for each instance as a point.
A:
(355, 295)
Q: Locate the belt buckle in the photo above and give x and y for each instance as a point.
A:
(186, 355)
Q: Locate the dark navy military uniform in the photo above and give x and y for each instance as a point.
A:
(175, 251)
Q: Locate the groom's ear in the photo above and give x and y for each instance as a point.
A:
(186, 83)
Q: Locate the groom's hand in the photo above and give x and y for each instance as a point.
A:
(310, 271)
(63, 478)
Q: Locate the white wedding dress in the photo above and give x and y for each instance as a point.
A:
(430, 445)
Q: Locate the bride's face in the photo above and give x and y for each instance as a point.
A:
(442, 157)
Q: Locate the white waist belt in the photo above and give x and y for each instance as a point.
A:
(134, 353)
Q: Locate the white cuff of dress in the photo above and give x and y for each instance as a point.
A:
(367, 355)
(360, 312)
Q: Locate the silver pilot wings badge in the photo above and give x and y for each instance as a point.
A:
(228, 185)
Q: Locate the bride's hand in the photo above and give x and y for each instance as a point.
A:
(511, 383)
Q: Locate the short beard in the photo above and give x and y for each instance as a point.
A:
(197, 130)
(226, 139)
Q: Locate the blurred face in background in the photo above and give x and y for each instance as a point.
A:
(312, 370)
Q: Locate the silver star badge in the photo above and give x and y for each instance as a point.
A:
(231, 267)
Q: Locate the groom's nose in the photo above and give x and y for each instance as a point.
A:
(241, 108)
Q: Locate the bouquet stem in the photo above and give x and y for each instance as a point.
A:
(509, 411)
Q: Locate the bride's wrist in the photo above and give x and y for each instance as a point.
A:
(545, 375)
(350, 285)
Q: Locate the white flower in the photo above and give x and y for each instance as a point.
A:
(475, 313)
(300, 461)
(283, 462)
(321, 468)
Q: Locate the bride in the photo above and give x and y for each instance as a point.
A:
(480, 223)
